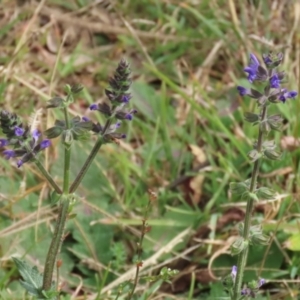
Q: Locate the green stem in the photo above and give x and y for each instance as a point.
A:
(47, 175)
(90, 159)
(86, 165)
(61, 219)
(139, 251)
(67, 158)
(55, 243)
(242, 258)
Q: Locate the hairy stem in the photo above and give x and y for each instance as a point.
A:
(139, 251)
(242, 257)
(67, 158)
(62, 217)
(55, 243)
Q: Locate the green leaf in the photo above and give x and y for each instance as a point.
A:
(293, 243)
(33, 280)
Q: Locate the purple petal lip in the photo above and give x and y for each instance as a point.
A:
(126, 98)
(254, 59)
(128, 117)
(35, 134)
(19, 163)
(275, 82)
(94, 106)
(45, 144)
(242, 91)
(252, 68)
(234, 271)
(3, 142)
(261, 282)
(9, 153)
(85, 119)
(19, 131)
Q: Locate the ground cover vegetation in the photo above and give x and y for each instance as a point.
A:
(159, 210)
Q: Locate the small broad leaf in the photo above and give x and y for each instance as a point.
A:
(30, 288)
(293, 242)
(33, 281)
(30, 274)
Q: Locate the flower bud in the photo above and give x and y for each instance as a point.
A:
(53, 132)
(272, 154)
(76, 88)
(238, 188)
(251, 117)
(275, 122)
(265, 127)
(260, 239)
(254, 155)
(55, 102)
(67, 137)
(265, 193)
(238, 246)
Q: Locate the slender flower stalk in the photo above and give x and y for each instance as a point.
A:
(145, 228)
(86, 165)
(47, 176)
(263, 148)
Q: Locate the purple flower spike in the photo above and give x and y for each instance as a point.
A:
(19, 131)
(275, 82)
(252, 68)
(94, 106)
(3, 142)
(45, 144)
(20, 163)
(9, 154)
